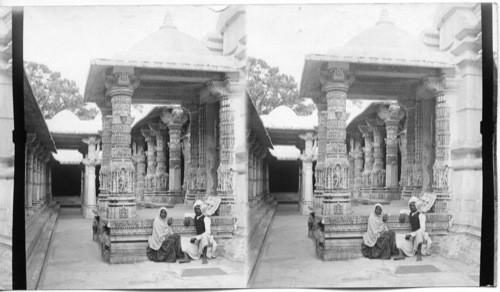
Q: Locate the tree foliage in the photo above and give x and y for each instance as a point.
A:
(54, 93)
(268, 89)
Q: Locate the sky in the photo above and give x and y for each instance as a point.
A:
(283, 34)
(66, 39)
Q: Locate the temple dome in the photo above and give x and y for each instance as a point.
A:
(65, 117)
(169, 39)
(383, 38)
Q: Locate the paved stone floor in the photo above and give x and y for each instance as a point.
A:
(74, 262)
(289, 260)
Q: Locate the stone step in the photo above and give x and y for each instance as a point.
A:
(257, 240)
(36, 261)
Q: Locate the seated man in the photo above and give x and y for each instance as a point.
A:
(199, 245)
(418, 241)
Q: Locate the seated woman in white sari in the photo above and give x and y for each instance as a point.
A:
(203, 244)
(163, 244)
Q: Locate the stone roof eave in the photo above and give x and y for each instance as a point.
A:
(94, 86)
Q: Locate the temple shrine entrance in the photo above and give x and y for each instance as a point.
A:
(66, 181)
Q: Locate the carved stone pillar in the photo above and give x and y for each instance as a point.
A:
(104, 175)
(439, 86)
(201, 173)
(90, 162)
(122, 202)
(378, 172)
(140, 161)
(44, 192)
(307, 162)
(357, 154)
(161, 176)
(368, 154)
(151, 165)
(36, 177)
(211, 148)
(31, 144)
(410, 149)
(336, 199)
(174, 118)
(194, 159)
(320, 162)
(48, 190)
(402, 148)
(350, 158)
(391, 116)
(186, 152)
(417, 167)
(230, 100)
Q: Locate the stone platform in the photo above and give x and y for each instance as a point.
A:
(339, 237)
(125, 240)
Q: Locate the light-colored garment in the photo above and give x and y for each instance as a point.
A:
(160, 231)
(410, 246)
(195, 250)
(375, 227)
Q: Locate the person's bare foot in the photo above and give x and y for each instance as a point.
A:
(419, 258)
(204, 261)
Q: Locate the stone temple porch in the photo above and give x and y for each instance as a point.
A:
(74, 258)
(287, 244)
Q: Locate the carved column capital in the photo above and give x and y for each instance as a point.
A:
(174, 117)
(439, 85)
(336, 79)
(121, 81)
(390, 113)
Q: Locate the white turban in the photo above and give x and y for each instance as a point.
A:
(198, 203)
(413, 200)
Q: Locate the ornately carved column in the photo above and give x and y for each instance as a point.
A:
(391, 116)
(194, 146)
(336, 199)
(186, 152)
(174, 118)
(307, 162)
(350, 158)
(122, 203)
(410, 148)
(402, 148)
(417, 167)
(321, 157)
(439, 87)
(90, 162)
(161, 177)
(104, 176)
(151, 165)
(357, 154)
(378, 172)
(230, 98)
(140, 160)
(368, 154)
(201, 173)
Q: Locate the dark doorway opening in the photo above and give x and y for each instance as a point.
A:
(284, 176)
(66, 181)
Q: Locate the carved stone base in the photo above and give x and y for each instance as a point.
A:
(173, 197)
(317, 198)
(88, 211)
(372, 196)
(126, 240)
(340, 237)
(226, 206)
(149, 196)
(121, 208)
(102, 202)
(336, 203)
(160, 196)
(28, 211)
(442, 202)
